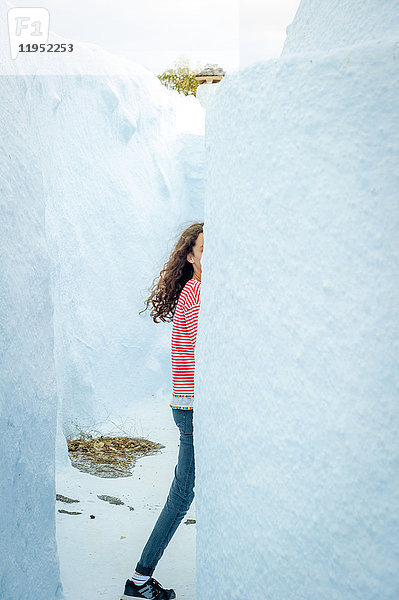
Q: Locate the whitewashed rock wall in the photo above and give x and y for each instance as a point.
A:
(296, 414)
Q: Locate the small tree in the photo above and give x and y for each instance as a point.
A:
(181, 77)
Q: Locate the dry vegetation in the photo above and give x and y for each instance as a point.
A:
(109, 456)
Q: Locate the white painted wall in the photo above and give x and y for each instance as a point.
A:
(296, 360)
(29, 564)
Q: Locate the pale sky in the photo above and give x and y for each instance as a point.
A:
(154, 33)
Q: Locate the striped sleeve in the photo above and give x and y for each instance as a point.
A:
(191, 315)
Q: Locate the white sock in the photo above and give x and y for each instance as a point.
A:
(139, 579)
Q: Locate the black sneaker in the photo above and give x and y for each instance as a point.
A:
(151, 589)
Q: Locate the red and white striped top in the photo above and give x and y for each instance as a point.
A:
(184, 334)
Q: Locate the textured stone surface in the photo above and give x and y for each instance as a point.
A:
(28, 395)
(296, 361)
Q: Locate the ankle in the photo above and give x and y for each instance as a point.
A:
(139, 579)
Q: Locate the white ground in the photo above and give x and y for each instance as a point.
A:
(97, 555)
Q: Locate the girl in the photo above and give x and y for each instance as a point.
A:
(175, 297)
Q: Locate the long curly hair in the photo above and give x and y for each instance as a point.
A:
(166, 288)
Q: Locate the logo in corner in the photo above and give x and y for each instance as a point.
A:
(27, 26)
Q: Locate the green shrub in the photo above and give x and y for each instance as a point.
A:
(181, 77)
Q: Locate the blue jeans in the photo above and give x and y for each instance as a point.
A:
(180, 497)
